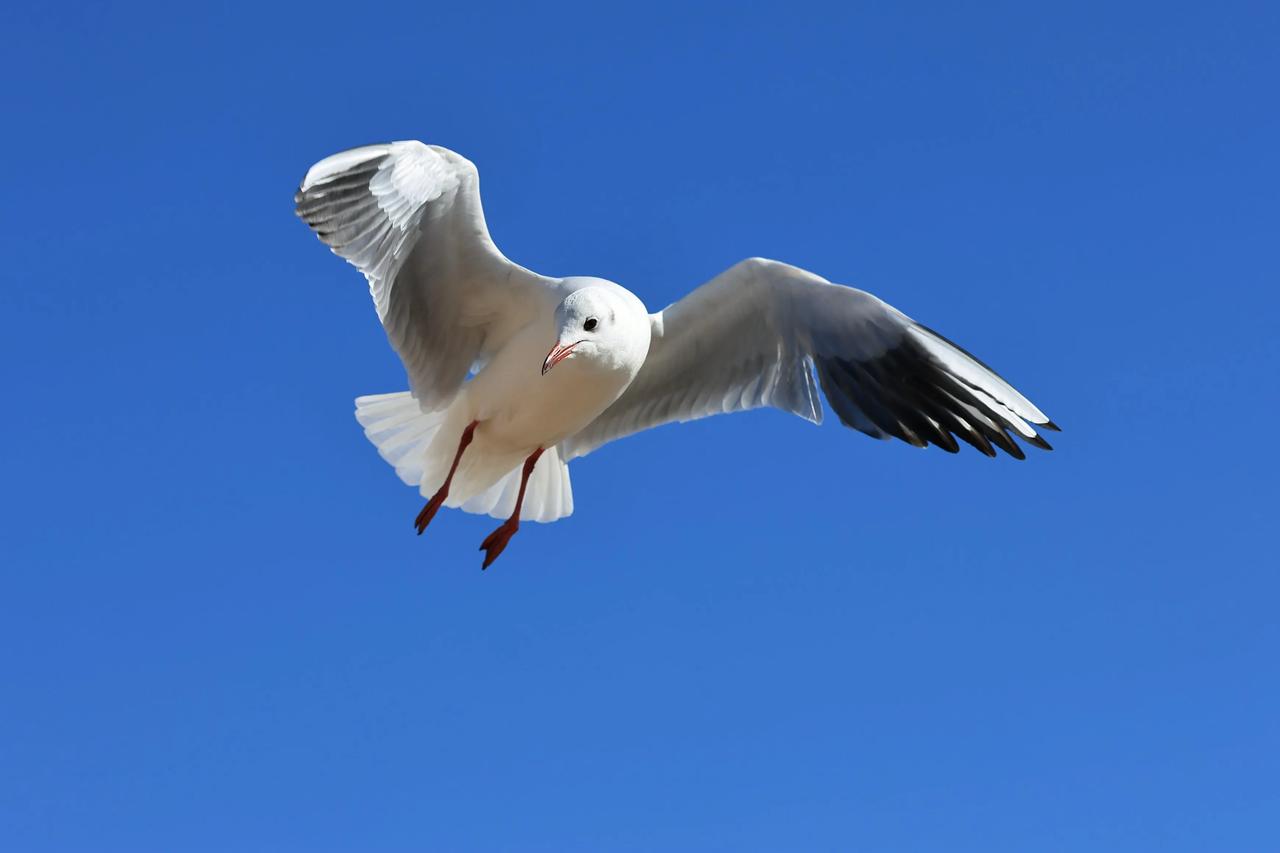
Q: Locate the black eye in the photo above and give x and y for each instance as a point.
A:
(590, 325)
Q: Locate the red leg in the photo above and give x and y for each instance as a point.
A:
(437, 500)
(498, 539)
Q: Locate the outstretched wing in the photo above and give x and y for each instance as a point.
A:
(408, 216)
(756, 334)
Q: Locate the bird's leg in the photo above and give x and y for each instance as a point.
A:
(498, 539)
(437, 500)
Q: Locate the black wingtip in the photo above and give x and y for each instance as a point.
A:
(1038, 441)
(1051, 425)
(947, 443)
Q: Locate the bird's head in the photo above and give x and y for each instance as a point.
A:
(602, 326)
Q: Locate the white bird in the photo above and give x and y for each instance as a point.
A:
(561, 366)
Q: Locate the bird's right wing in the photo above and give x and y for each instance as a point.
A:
(408, 216)
(756, 334)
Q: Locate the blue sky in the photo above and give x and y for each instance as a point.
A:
(220, 632)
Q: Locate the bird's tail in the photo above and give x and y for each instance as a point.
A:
(402, 432)
(547, 497)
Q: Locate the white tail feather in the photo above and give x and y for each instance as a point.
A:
(401, 432)
(547, 497)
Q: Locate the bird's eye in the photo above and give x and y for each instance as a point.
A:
(590, 325)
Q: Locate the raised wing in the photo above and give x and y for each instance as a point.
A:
(756, 334)
(408, 216)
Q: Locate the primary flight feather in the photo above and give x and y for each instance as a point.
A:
(564, 365)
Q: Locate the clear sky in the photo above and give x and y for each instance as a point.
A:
(218, 631)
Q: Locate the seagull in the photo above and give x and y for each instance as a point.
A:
(513, 374)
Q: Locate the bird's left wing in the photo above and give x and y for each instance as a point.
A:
(756, 334)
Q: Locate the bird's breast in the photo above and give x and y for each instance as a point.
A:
(521, 408)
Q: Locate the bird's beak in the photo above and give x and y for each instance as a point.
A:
(558, 353)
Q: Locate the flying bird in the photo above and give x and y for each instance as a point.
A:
(513, 374)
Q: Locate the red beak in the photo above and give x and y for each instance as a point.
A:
(558, 353)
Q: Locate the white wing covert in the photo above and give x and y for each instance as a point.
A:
(756, 334)
(408, 216)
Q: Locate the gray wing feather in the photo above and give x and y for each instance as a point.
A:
(757, 334)
(408, 216)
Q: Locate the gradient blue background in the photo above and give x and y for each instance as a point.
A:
(218, 631)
